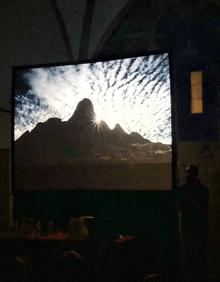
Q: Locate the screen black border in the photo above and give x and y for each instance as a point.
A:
(95, 60)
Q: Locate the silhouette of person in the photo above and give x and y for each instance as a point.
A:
(192, 203)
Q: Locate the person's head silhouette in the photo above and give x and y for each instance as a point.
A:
(192, 173)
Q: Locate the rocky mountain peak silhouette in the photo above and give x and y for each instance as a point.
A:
(79, 139)
(118, 128)
(84, 110)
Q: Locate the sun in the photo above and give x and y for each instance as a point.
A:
(98, 118)
(97, 121)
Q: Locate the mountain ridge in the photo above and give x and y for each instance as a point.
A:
(81, 139)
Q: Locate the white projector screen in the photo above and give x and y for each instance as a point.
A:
(95, 125)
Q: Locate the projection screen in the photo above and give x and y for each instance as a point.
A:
(94, 125)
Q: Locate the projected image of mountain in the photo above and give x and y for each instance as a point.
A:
(82, 139)
(103, 125)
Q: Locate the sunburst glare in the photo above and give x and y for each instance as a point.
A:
(97, 121)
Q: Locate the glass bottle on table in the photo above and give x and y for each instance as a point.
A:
(27, 227)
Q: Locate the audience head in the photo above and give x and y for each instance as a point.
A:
(192, 173)
(70, 267)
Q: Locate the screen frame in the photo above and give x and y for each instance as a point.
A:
(96, 60)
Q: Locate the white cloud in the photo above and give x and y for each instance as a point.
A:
(115, 99)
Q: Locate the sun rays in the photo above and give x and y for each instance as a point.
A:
(97, 121)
